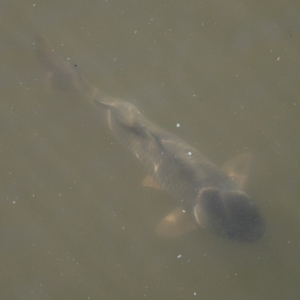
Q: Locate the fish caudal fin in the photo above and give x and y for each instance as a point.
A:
(61, 74)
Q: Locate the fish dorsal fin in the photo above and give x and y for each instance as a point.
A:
(238, 168)
(176, 223)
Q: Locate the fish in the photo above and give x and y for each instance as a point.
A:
(206, 196)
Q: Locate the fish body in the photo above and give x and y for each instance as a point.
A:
(206, 196)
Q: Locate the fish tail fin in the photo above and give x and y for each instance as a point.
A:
(61, 75)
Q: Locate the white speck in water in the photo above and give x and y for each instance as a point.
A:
(179, 256)
(278, 58)
(183, 211)
(135, 31)
(195, 294)
(68, 58)
(189, 153)
(177, 125)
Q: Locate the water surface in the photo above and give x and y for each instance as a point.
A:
(76, 223)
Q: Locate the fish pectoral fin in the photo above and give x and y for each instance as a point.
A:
(150, 182)
(238, 168)
(176, 223)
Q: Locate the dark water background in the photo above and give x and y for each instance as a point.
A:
(75, 221)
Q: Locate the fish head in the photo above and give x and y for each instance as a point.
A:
(230, 214)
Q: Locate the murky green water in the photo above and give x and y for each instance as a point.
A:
(75, 221)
